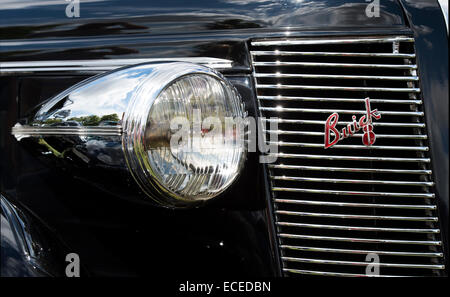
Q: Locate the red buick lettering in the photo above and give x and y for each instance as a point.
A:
(333, 135)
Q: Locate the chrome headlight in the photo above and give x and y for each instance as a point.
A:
(175, 141)
(179, 126)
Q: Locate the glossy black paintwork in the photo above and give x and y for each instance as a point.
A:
(31, 19)
(216, 28)
(28, 247)
(234, 236)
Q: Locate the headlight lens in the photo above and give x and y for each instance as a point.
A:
(191, 147)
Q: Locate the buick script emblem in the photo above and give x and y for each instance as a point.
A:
(333, 135)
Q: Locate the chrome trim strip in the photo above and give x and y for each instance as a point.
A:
(358, 217)
(354, 263)
(57, 69)
(354, 193)
(297, 41)
(344, 111)
(361, 240)
(315, 122)
(353, 181)
(349, 158)
(348, 65)
(350, 146)
(23, 131)
(317, 99)
(354, 204)
(363, 252)
(334, 88)
(329, 76)
(349, 169)
(395, 136)
(357, 228)
(327, 273)
(334, 54)
(100, 65)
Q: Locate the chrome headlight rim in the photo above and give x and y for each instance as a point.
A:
(134, 126)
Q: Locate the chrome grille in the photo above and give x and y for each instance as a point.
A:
(333, 207)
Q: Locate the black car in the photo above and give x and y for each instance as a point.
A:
(224, 138)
